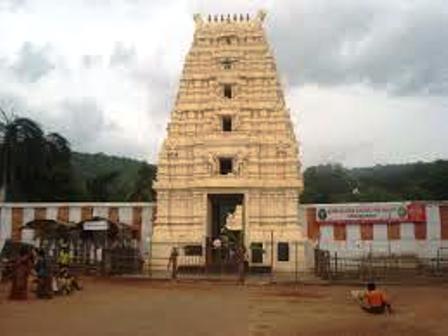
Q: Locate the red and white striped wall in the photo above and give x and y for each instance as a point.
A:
(344, 228)
(350, 231)
(14, 215)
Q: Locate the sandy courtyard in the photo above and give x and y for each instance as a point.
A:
(136, 307)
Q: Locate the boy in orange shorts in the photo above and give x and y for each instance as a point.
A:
(373, 300)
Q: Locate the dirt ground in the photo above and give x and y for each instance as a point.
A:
(138, 307)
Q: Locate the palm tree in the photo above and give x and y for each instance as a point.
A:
(33, 165)
(58, 147)
(22, 152)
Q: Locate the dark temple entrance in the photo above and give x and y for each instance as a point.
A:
(225, 230)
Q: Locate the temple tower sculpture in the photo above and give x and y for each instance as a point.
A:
(230, 155)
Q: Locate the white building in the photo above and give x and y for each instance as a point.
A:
(15, 215)
(400, 228)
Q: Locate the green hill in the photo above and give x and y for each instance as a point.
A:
(412, 181)
(101, 177)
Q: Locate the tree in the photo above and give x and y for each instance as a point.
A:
(436, 180)
(142, 191)
(327, 184)
(59, 180)
(99, 187)
(34, 166)
(22, 152)
(381, 183)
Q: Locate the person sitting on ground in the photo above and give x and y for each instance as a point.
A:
(66, 282)
(373, 300)
(62, 284)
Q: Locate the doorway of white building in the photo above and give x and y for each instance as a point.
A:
(225, 230)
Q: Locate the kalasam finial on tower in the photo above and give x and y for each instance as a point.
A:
(197, 18)
(261, 15)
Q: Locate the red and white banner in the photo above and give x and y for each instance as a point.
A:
(371, 213)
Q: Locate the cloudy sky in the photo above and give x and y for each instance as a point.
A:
(366, 81)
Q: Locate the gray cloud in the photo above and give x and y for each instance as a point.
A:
(90, 61)
(13, 104)
(33, 63)
(84, 119)
(398, 46)
(395, 51)
(12, 5)
(86, 126)
(82, 122)
(122, 55)
(161, 86)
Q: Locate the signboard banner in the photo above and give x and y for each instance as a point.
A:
(101, 225)
(371, 213)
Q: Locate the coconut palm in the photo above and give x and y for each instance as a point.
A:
(22, 152)
(32, 164)
(58, 147)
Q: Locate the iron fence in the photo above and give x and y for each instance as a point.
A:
(268, 261)
(380, 267)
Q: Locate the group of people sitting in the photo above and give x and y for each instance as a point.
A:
(49, 279)
(55, 281)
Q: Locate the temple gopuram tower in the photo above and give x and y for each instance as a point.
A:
(229, 167)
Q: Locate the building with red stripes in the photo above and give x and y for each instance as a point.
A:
(414, 228)
(401, 228)
(13, 216)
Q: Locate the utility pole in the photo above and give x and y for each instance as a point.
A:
(272, 256)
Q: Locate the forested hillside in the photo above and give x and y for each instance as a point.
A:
(102, 177)
(413, 181)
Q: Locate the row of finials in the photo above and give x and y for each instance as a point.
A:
(228, 18)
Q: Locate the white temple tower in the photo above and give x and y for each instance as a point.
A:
(230, 149)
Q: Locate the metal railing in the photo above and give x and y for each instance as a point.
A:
(343, 266)
(202, 260)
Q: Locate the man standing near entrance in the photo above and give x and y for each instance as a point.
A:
(241, 259)
(172, 261)
(217, 246)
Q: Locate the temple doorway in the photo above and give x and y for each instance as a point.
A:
(225, 230)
